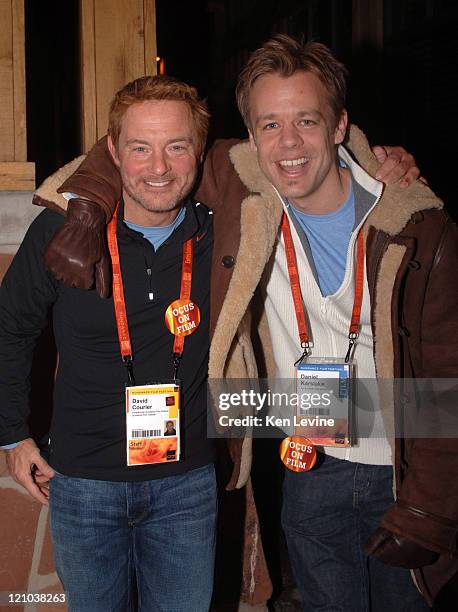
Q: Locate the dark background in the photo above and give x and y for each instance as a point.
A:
(403, 92)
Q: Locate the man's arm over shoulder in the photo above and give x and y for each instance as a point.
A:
(387, 164)
(96, 179)
(218, 174)
(77, 255)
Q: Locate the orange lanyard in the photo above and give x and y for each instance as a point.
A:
(297, 293)
(185, 294)
(119, 301)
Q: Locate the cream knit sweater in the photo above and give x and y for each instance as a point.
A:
(328, 319)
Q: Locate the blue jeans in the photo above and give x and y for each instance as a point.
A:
(328, 514)
(160, 533)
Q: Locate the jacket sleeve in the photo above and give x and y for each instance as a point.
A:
(92, 177)
(26, 294)
(97, 179)
(218, 175)
(427, 507)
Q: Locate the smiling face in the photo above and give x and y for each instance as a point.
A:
(157, 158)
(294, 133)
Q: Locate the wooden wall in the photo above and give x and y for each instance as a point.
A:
(118, 44)
(15, 172)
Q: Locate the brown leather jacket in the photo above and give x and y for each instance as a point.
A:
(412, 257)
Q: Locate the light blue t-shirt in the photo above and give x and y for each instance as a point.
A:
(329, 236)
(158, 235)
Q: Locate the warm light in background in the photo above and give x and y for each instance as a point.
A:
(160, 64)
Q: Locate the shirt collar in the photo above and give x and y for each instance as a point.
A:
(188, 228)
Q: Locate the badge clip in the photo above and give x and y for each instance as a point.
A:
(176, 364)
(305, 353)
(130, 370)
(352, 341)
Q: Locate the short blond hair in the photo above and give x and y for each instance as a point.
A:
(285, 55)
(159, 87)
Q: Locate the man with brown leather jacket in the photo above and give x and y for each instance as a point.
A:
(414, 531)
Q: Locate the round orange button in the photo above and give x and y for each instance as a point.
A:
(298, 454)
(182, 317)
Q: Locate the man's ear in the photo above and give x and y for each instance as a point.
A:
(112, 150)
(341, 127)
(252, 141)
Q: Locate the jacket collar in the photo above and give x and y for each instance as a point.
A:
(396, 205)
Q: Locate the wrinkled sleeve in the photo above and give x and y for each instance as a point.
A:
(217, 174)
(427, 507)
(26, 295)
(96, 179)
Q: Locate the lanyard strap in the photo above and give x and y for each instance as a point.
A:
(119, 301)
(358, 300)
(297, 293)
(185, 294)
(295, 284)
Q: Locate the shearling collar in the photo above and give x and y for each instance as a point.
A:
(47, 194)
(391, 215)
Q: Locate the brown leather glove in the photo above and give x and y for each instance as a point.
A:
(394, 549)
(77, 252)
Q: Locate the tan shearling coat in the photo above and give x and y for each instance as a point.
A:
(412, 257)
